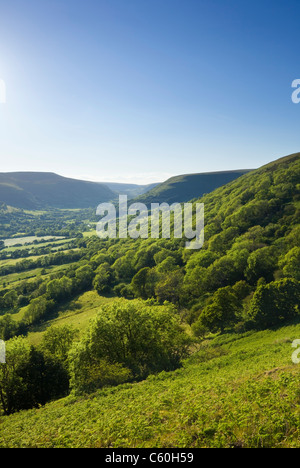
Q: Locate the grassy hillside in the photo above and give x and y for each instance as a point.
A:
(236, 391)
(186, 187)
(233, 305)
(76, 313)
(36, 190)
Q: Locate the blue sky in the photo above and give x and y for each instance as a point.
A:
(139, 90)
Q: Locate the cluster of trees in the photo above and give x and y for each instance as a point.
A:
(252, 237)
(127, 341)
(59, 258)
(37, 250)
(66, 223)
(43, 298)
(164, 271)
(270, 305)
(31, 376)
(196, 282)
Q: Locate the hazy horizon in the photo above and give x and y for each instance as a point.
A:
(124, 181)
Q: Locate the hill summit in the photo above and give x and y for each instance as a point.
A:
(40, 190)
(186, 187)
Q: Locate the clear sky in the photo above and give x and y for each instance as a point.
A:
(139, 90)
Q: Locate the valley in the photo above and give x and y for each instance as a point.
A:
(144, 343)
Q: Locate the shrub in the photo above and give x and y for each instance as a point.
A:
(275, 303)
(128, 338)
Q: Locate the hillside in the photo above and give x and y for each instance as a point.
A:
(38, 190)
(172, 347)
(237, 391)
(184, 188)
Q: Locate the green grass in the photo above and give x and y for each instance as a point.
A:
(29, 240)
(236, 391)
(13, 261)
(76, 313)
(90, 233)
(13, 279)
(58, 243)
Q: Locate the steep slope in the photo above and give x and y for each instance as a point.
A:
(237, 392)
(36, 190)
(186, 187)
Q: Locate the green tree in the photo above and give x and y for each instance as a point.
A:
(261, 264)
(103, 279)
(8, 327)
(290, 263)
(84, 276)
(57, 341)
(170, 287)
(89, 373)
(167, 265)
(139, 282)
(222, 241)
(123, 268)
(10, 299)
(11, 383)
(241, 289)
(195, 281)
(275, 302)
(221, 311)
(43, 378)
(59, 289)
(221, 273)
(37, 310)
(137, 336)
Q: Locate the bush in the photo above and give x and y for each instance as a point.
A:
(127, 339)
(275, 303)
(221, 311)
(29, 378)
(89, 373)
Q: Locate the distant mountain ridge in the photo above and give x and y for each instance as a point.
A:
(186, 187)
(45, 190)
(131, 190)
(40, 190)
